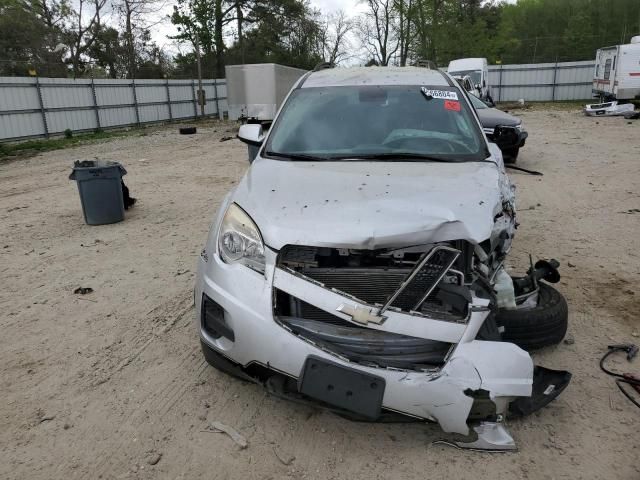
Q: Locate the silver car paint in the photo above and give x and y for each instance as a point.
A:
(323, 204)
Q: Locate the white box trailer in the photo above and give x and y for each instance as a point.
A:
(256, 91)
(617, 72)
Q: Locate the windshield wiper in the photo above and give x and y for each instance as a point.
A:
(393, 156)
(296, 156)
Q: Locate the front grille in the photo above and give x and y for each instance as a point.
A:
(371, 285)
(425, 280)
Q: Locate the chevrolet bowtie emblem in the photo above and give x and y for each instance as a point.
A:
(362, 315)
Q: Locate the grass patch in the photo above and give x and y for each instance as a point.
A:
(33, 147)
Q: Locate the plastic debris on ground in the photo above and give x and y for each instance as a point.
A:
(608, 109)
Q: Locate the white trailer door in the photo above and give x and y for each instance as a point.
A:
(604, 78)
(627, 81)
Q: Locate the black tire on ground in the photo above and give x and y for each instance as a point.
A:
(187, 130)
(540, 326)
(510, 155)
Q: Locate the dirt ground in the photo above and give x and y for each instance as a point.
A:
(113, 384)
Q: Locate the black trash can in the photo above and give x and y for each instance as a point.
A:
(100, 187)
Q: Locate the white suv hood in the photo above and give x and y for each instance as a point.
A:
(370, 204)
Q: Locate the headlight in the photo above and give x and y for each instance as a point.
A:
(239, 240)
(520, 127)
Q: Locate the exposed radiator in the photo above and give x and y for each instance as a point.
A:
(371, 285)
(378, 285)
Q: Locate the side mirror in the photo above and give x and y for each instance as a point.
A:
(505, 136)
(251, 134)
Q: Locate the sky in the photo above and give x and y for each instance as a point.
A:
(351, 7)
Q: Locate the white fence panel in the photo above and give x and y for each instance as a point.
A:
(74, 120)
(117, 116)
(21, 125)
(38, 107)
(182, 110)
(542, 81)
(153, 113)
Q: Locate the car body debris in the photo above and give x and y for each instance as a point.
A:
(609, 109)
(83, 290)
(219, 427)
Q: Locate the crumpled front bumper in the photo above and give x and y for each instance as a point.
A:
(442, 394)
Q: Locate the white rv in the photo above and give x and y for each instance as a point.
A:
(477, 69)
(617, 72)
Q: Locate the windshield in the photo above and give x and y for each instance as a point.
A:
(476, 75)
(477, 103)
(329, 123)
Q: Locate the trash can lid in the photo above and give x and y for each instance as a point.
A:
(95, 165)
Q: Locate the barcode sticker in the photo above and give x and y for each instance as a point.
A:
(443, 94)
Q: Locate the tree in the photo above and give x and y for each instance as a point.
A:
(405, 12)
(83, 31)
(207, 18)
(109, 52)
(280, 31)
(334, 29)
(30, 35)
(377, 30)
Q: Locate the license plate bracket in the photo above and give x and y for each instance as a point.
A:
(342, 387)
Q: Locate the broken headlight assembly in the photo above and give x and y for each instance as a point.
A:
(239, 240)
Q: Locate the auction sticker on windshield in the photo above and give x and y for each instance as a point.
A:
(444, 94)
(452, 105)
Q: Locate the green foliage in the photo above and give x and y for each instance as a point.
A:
(41, 36)
(528, 31)
(282, 31)
(68, 133)
(550, 30)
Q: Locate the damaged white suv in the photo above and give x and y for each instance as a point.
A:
(358, 264)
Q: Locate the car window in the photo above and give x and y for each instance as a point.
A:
(352, 121)
(477, 103)
(476, 75)
(607, 69)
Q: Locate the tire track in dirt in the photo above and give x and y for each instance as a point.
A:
(167, 314)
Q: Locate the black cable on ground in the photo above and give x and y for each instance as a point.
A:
(520, 169)
(627, 378)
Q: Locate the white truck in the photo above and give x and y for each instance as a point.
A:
(617, 72)
(478, 70)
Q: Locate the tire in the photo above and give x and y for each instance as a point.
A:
(537, 327)
(187, 130)
(510, 155)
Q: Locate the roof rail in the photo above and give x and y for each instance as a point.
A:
(323, 66)
(426, 64)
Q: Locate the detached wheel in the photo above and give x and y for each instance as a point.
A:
(510, 155)
(539, 326)
(187, 130)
